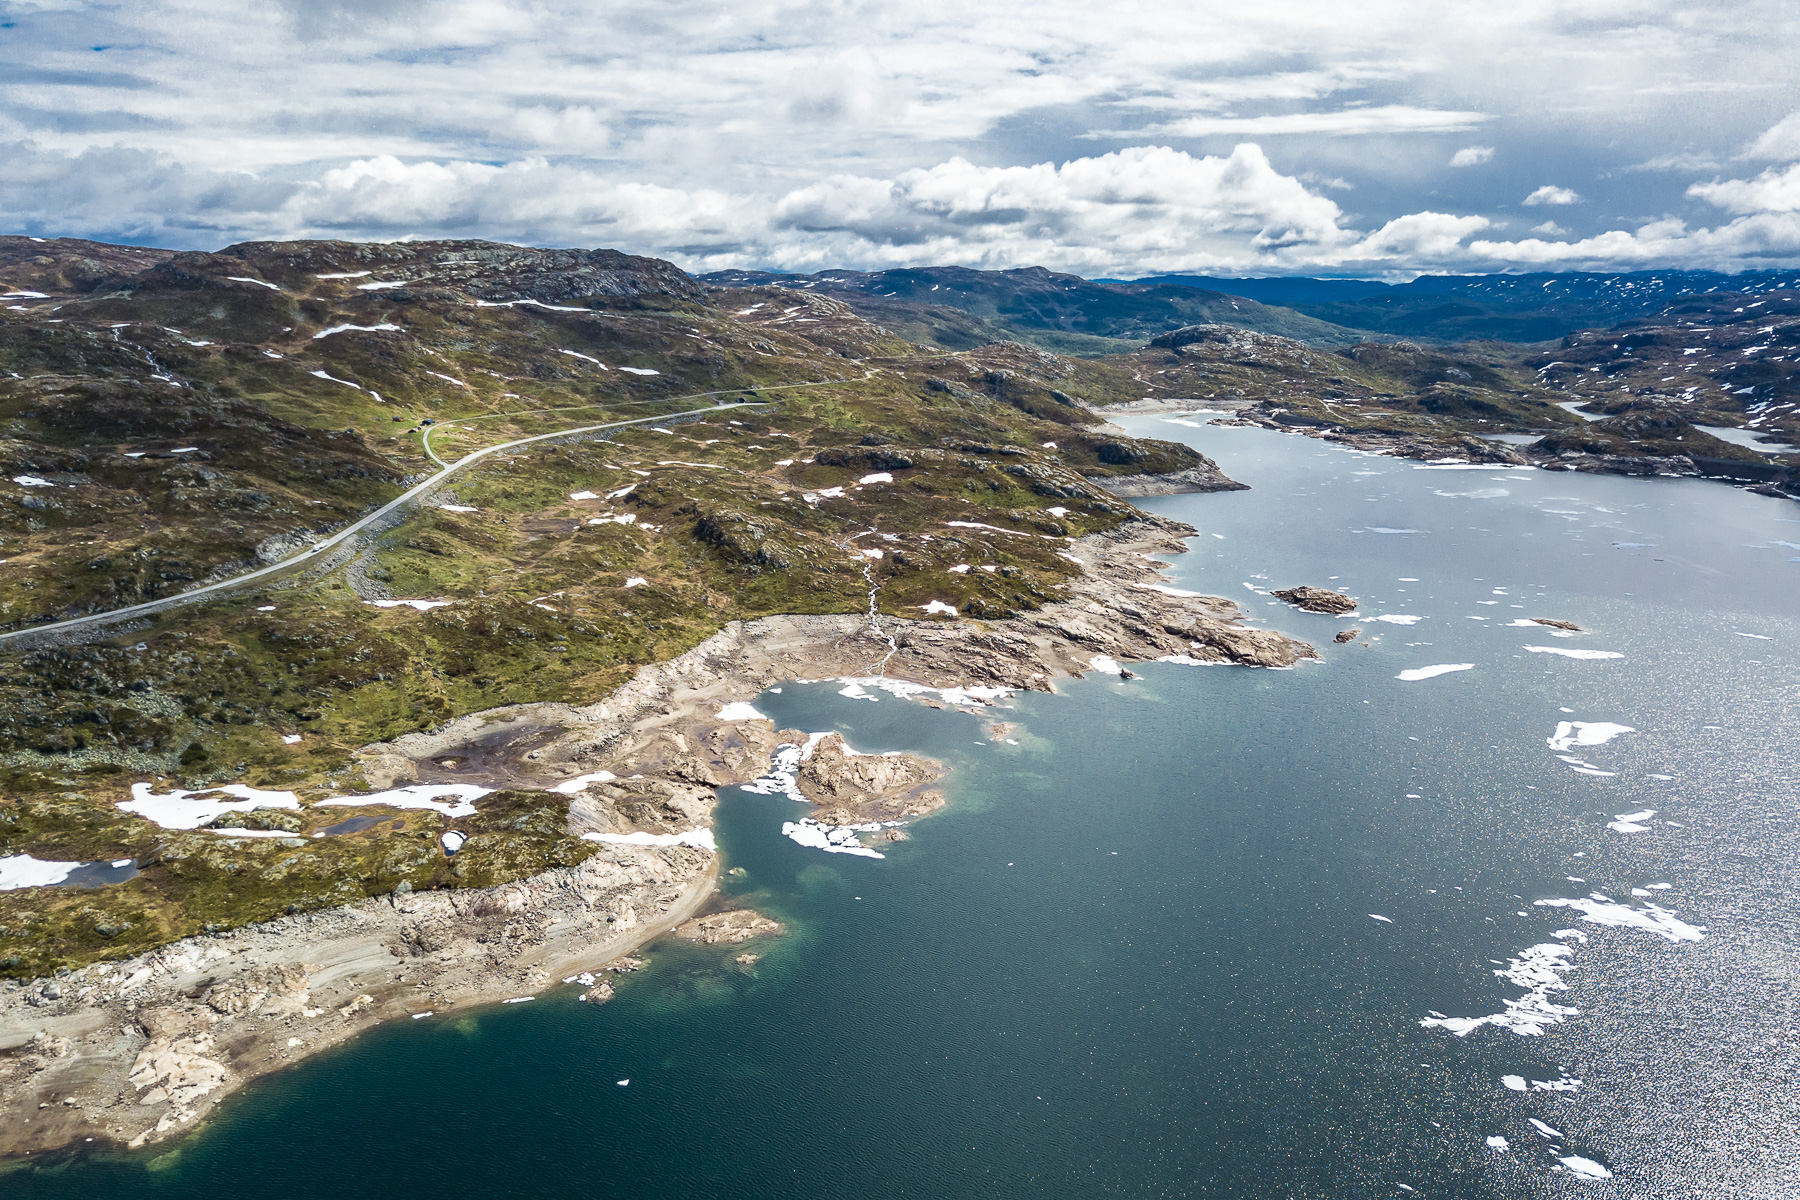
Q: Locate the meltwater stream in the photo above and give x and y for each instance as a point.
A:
(1470, 909)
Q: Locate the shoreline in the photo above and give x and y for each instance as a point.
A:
(139, 1051)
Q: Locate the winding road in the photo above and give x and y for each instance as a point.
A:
(317, 550)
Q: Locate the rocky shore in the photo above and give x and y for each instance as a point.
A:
(136, 1051)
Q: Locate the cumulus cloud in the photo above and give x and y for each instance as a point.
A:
(875, 132)
(1551, 194)
(1776, 190)
(1765, 231)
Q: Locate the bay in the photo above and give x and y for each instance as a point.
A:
(1182, 938)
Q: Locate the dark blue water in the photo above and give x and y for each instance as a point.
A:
(1138, 953)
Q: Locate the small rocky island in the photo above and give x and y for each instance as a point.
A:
(1317, 600)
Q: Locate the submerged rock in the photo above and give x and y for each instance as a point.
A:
(1571, 626)
(727, 928)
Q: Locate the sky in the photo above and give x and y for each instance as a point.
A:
(1377, 139)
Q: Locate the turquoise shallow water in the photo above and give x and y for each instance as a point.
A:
(1138, 953)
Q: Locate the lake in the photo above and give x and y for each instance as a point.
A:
(1525, 927)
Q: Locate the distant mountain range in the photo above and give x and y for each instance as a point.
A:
(960, 307)
(1063, 313)
(1514, 308)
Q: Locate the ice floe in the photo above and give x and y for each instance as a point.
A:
(1382, 919)
(1539, 970)
(782, 779)
(420, 795)
(180, 809)
(23, 871)
(699, 839)
(1106, 665)
(1651, 918)
(741, 710)
(1572, 652)
(1543, 1129)
(1496, 1142)
(1415, 674)
(1513, 1083)
(972, 695)
(835, 839)
(1632, 822)
(1399, 618)
(1584, 1168)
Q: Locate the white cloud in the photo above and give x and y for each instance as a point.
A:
(1776, 190)
(1549, 229)
(1551, 194)
(1765, 232)
(1781, 141)
(1390, 118)
(865, 132)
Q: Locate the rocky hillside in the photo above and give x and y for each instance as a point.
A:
(168, 419)
(1706, 388)
(1065, 313)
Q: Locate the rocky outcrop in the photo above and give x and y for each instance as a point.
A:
(855, 788)
(1317, 600)
(1206, 477)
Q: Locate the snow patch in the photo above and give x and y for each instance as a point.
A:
(23, 871)
(179, 809)
(420, 795)
(699, 839)
(741, 711)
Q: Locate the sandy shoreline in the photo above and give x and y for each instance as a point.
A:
(138, 1051)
